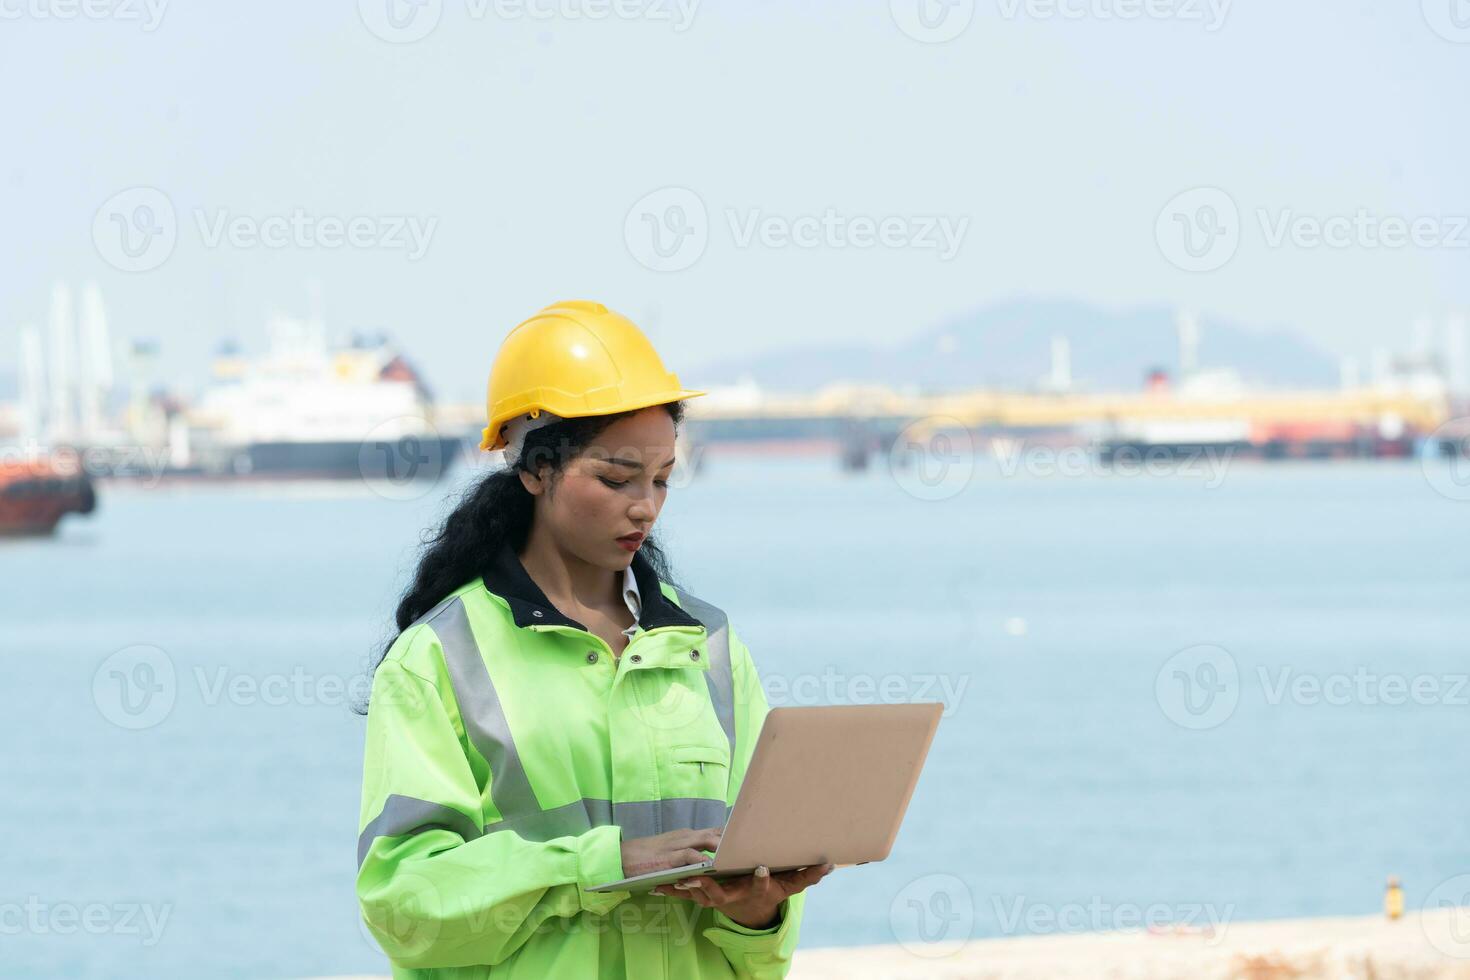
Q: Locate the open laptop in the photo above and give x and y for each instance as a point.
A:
(827, 784)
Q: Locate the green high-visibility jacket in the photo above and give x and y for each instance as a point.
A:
(509, 753)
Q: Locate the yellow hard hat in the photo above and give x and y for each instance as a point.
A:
(572, 359)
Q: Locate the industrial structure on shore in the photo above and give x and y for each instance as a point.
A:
(1413, 404)
(357, 409)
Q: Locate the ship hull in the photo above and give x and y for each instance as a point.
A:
(413, 458)
(33, 504)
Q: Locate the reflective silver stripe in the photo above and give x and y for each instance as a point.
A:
(488, 730)
(481, 711)
(404, 815)
(572, 820)
(662, 816)
(641, 819)
(717, 648)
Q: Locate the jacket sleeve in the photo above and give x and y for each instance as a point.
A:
(754, 954)
(435, 890)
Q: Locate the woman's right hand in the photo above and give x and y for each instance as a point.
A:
(672, 850)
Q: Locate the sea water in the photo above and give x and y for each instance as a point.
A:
(1175, 698)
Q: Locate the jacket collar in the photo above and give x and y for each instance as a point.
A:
(505, 576)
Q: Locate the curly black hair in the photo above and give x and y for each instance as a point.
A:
(498, 509)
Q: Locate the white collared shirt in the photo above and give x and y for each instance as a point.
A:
(633, 598)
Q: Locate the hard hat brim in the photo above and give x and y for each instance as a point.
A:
(491, 440)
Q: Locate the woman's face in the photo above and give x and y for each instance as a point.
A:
(607, 499)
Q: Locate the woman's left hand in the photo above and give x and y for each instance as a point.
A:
(751, 900)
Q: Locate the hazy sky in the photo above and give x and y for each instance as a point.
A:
(519, 138)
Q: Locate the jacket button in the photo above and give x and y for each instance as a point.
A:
(694, 655)
(637, 658)
(592, 656)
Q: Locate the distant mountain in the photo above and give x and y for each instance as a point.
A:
(1009, 346)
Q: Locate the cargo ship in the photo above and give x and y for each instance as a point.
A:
(307, 409)
(1212, 413)
(35, 495)
(1243, 439)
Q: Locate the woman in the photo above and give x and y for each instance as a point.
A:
(555, 715)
